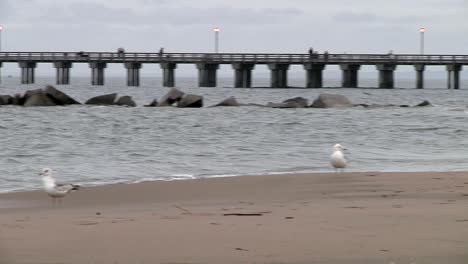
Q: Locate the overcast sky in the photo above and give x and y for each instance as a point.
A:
(352, 26)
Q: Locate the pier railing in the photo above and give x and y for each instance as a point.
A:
(228, 58)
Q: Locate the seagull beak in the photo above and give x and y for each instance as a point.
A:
(41, 174)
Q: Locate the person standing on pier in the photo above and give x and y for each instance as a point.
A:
(161, 51)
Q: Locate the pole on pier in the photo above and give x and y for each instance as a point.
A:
(421, 48)
(216, 32)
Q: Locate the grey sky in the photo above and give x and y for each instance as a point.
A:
(352, 26)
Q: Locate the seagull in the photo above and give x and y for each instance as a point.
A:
(338, 160)
(54, 190)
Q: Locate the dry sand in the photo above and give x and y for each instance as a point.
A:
(399, 218)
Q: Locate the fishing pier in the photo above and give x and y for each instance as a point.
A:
(242, 64)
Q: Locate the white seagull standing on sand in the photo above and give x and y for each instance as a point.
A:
(53, 189)
(338, 160)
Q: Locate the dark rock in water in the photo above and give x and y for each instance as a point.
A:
(300, 101)
(253, 104)
(59, 97)
(174, 95)
(290, 104)
(230, 101)
(107, 99)
(403, 105)
(423, 103)
(6, 99)
(361, 105)
(191, 100)
(29, 93)
(331, 101)
(37, 98)
(126, 101)
(17, 100)
(152, 104)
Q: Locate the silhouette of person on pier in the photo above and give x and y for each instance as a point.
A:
(161, 51)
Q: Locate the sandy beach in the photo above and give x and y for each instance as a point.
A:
(367, 217)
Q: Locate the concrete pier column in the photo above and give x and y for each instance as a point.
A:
(168, 73)
(27, 71)
(279, 75)
(63, 72)
(133, 73)
(207, 74)
(453, 77)
(386, 79)
(0, 72)
(350, 75)
(97, 72)
(314, 75)
(243, 74)
(419, 75)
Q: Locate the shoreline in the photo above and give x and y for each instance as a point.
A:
(188, 177)
(351, 217)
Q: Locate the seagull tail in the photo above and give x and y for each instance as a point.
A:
(75, 187)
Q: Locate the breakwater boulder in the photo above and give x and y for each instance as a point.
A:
(170, 98)
(106, 99)
(230, 101)
(37, 98)
(111, 99)
(296, 102)
(59, 97)
(125, 101)
(6, 99)
(423, 103)
(190, 101)
(331, 101)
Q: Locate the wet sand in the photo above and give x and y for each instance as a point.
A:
(292, 218)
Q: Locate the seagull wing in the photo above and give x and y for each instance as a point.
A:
(66, 187)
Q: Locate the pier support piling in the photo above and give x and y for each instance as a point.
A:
(419, 75)
(279, 75)
(243, 75)
(314, 75)
(207, 74)
(168, 73)
(97, 72)
(386, 72)
(350, 75)
(63, 72)
(453, 76)
(27, 71)
(133, 73)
